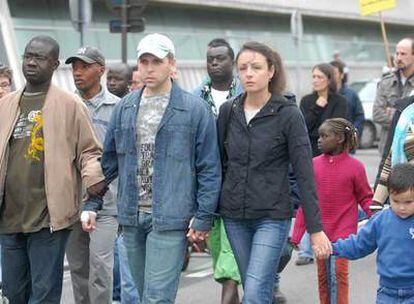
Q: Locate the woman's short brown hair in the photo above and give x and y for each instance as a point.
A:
(277, 83)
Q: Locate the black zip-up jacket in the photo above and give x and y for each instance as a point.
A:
(255, 160)
(316, 115)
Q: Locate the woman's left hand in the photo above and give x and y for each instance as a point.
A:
(321, 245)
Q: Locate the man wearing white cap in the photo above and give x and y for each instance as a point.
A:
(162, 144)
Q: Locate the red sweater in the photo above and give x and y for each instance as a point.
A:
(342, 184)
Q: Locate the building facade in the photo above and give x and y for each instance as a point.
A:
(328, 26)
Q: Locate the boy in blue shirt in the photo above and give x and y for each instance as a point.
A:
(392, 232)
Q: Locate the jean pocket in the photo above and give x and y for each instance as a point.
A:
(383, 296)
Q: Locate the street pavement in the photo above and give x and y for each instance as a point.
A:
(298, 283)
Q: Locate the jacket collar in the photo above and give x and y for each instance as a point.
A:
(411, 79)
(395, 78)
(275, 103)
(102, 98)
(332, 99)
(176, 103)
(206, 88)
(17, 95)
(271, 108)
(51, 91)
(234, 89)
(176, 100)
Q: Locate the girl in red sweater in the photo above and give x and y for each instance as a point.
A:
(342, 185)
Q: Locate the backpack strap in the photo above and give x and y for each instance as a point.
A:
(223, 123)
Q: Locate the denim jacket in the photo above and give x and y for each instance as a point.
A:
(100, 108)
(187, 170)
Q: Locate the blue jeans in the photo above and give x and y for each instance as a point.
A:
(129, 293)
(124, 286)
(155, 259)
(387, 295)
(33, 266)
(257, 246)
(305, 246)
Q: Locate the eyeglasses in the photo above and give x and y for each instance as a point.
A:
(5, 85)
(37, 58)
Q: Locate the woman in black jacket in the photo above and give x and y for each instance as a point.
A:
(323, 103)
(261, 133)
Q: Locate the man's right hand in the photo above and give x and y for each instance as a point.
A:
(88, 220)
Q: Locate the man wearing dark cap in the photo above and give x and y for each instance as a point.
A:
(162, 143)
(48, 146)
(90, 250)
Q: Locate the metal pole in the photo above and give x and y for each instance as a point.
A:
(81, 21)
(298, 69)
(124, 16)
(297, 33)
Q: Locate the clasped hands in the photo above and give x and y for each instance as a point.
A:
(321, 245)
(195, 236)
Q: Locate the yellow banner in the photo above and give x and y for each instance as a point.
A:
(374, 6)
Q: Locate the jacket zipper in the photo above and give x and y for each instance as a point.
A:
(247, 167)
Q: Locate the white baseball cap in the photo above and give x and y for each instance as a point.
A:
(155, 44)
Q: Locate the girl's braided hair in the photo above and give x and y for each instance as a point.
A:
(343, 126)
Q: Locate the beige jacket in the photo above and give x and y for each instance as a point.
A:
(383, 110)
(72, 152)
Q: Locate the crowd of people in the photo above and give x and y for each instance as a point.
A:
(121, 177)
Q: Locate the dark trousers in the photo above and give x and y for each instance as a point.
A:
(32, 266)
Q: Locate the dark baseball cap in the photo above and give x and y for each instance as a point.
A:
(89, 54)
